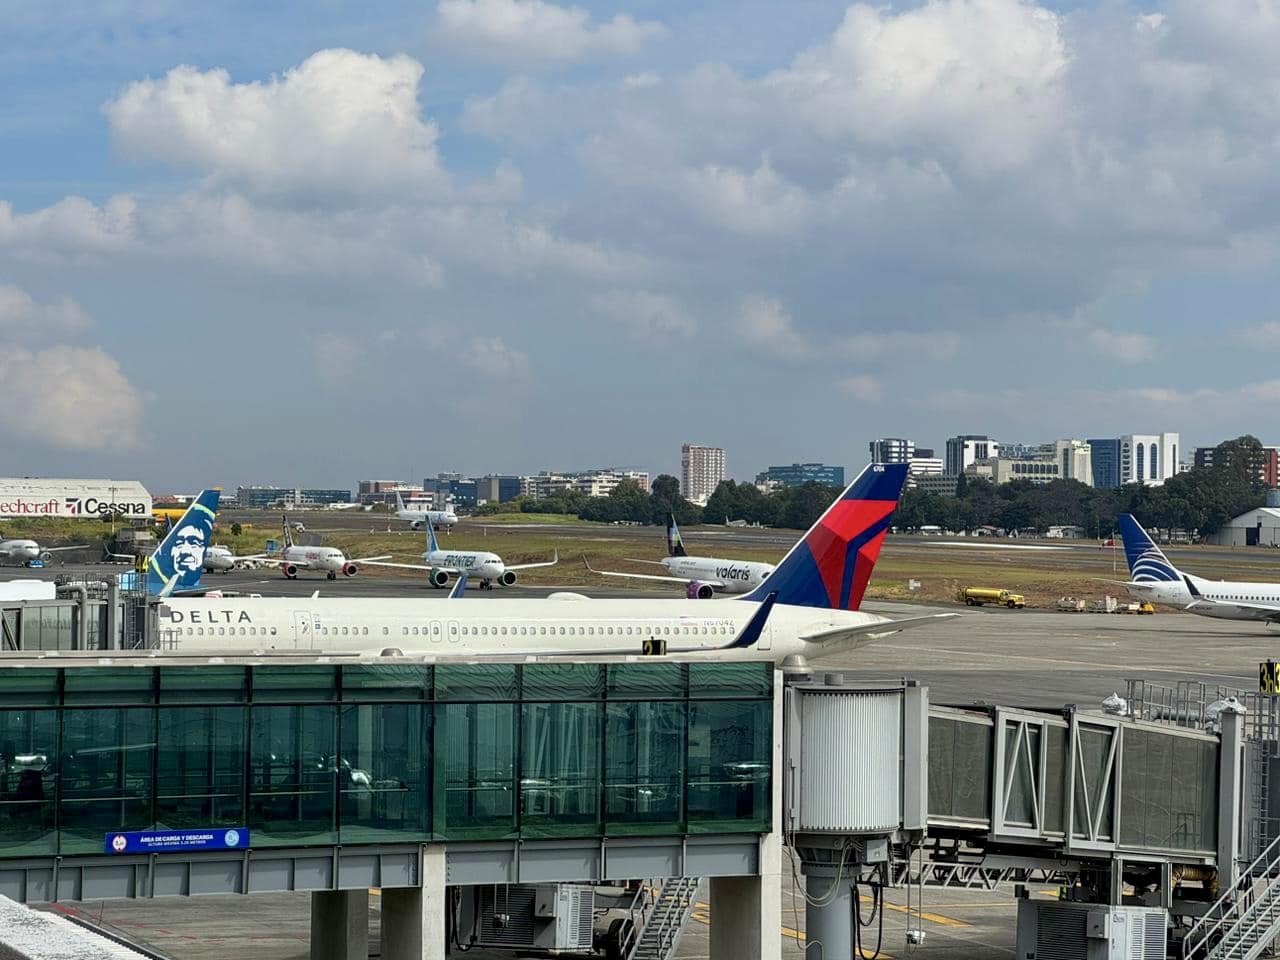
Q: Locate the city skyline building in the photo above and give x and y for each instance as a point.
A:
(701, 471)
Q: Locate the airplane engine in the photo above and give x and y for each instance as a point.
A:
(290, 570)
(508, 578)
(438, 578)
(415, 524)
(698, 590)
(46, 557)
(349, 569)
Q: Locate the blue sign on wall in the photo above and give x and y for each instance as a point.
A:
(172, 841)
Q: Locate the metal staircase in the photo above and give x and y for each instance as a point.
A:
(1245, 920)
(672, 908)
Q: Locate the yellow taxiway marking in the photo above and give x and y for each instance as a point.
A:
(701, 907)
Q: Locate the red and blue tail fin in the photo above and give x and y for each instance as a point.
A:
(831, 565)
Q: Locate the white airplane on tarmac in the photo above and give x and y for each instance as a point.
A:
(416, 518)
(1153, 578)
(808, 607)
(28, 553)
(328, 560)
(480, 565)
(703, 577)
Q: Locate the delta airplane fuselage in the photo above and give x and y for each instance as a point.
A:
(514, 627)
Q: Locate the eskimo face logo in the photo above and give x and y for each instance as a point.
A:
(1151, 567)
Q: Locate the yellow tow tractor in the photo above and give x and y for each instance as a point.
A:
(978, 596)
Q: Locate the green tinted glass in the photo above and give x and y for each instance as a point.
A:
(644, 767)
(562, 681)
(408, 681)
(475, 766)
(476, 681)
(294, 684)
(200, 767)
(293, 775)
(21, 687)
(646, 681)
(560, 769)
(210, 684)
(109, 685)
(730, 680)
(28, 782)
(106, 774)
(730, 759)
(383, 768)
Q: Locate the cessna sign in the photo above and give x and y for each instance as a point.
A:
(88, 499)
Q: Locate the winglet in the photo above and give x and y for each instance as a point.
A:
(755, 626)
(432, 545)
(459, 587)
(1195, 594)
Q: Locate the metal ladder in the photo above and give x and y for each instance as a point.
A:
(1246, 919)
(672, 909)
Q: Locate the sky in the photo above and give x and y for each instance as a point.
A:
(310, 244)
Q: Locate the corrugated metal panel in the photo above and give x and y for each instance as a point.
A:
(850, 775)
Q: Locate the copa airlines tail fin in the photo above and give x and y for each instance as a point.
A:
(675, 546)
(1147, 563)
(179, 559)
(831, 565)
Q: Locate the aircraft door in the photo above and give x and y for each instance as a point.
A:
(453, 631)
(302, 632)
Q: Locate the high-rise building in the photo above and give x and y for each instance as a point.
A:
(800, 473)
(967, 449)
(1265, 463)
(1148, 458)
(701, 471)
(892, 450)
(1075, 460)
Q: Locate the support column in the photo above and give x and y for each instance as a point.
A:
(1231, 793)
(413, 918)
(339, 925)
(828, 928)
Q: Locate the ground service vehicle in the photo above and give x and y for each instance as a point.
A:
(977, 596)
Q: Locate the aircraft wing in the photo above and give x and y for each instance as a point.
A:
(651, 576)
(385, 556)
(874, 631)
(78, 546)
(279, 562)
(529, 566)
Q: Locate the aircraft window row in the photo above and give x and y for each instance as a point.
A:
(575, 631)
(229, 632)
(343, 631)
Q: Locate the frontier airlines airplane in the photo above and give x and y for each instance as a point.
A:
(808, 606)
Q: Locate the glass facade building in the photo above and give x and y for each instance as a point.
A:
(382, 753)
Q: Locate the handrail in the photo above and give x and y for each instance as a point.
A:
(1241, 903)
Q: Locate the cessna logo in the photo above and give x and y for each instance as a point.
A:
(89, 506)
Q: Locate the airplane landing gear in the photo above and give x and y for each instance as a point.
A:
(332, 575)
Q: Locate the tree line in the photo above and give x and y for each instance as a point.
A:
(1200, 500)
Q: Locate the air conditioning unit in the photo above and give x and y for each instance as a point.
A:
(1062, 930)
(543, 916)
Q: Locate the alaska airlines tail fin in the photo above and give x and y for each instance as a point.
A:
(1147, 564)
(675, 546)
(179, 559)
(831, 565)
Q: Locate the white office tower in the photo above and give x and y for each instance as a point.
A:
(967, 449)
(1075, 460)
(701, 471)
(892, 450)
(1150, 458)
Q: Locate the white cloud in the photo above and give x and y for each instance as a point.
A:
(982, 77)
(340, 120)
(645, 315)
(1126, 348)
(757, 203)
(1264, 336)
(70, 397)
(765, 325)
(492, 357)
(862, 387)
(534, 31)
(73, 226)
(22, 318)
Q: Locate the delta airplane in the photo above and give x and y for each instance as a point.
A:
(28, 553)
(808, 607)
(328, 560)
(1152, 577)
(480, 565)
(703, 577)
(416, 518)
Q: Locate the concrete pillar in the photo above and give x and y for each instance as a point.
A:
(339, 925)
(413, 918)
